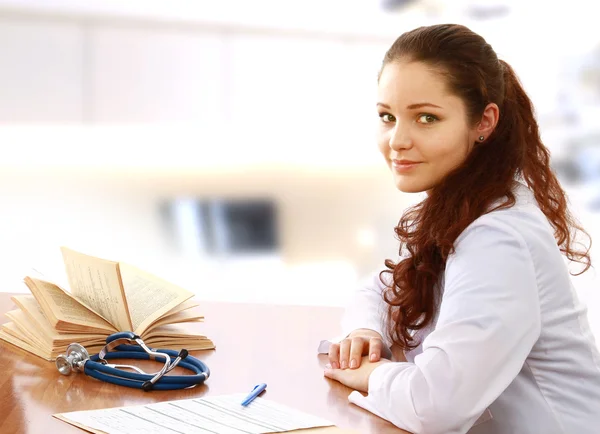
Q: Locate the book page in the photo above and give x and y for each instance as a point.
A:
(20, 320)
(176, 336)
(169, 331)
(31, 308)
(189, 304)
(176, 318)
(149, 297)
(212, 415)
(65, 308)
(97, 282)
(15, 338)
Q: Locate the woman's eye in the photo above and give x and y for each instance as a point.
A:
(427, 119)
(386, 117)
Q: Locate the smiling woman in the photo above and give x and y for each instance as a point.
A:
(424, 131)
(481, 301)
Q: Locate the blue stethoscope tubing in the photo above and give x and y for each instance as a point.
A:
(97, 370)
(96, 366)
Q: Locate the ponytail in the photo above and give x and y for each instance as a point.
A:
(519, 124)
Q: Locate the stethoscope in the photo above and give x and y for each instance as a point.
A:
(77, 359)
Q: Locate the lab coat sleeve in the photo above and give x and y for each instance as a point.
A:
(488, 322)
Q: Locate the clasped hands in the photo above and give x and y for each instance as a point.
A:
(352, 361)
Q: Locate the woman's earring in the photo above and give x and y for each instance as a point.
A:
(481, 138)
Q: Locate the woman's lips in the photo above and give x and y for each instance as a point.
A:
(404, 165)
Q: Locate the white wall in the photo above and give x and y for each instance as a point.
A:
(108, 107)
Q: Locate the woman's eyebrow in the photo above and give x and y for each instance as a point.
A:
(411, 106)
(422, 104)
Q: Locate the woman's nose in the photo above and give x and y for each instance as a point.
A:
(399, 138)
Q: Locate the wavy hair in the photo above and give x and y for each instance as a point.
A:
(427, 231)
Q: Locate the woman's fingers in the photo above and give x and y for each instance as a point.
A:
(345, 346)
(375, 349)
(350, 351)
(334, 356)
(357, 347)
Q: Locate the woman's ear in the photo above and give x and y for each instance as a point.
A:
(488, 122)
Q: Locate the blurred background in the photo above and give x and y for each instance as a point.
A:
(229, 146)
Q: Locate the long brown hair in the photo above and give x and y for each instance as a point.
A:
(427, 231)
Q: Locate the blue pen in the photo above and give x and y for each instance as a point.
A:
(258, 389)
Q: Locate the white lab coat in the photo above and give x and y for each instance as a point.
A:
(511, 350)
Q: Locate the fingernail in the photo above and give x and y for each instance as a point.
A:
(328, 366)
(344, 364)
(335, 365)
(353, 363)
(372, 357)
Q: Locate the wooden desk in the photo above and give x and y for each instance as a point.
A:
(255, 344)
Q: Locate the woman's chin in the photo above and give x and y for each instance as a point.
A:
(411, 187)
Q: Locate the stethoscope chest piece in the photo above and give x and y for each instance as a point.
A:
(73, 360)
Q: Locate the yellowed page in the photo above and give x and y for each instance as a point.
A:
(36, 321)
(19, 341)
(20, 320)
(189, 345)
(170, 331)
(30, 332)
(97, 282)
(23, 336)
(31, 308)
(175, 336)
(149, 297)
(176, 318)
(66, 309)
(183, 306)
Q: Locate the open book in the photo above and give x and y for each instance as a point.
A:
(105, 297)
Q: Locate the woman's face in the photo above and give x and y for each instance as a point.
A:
(423, 131)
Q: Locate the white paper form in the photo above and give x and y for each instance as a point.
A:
(213, 415)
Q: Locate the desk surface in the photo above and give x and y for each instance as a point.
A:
(255, 344)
